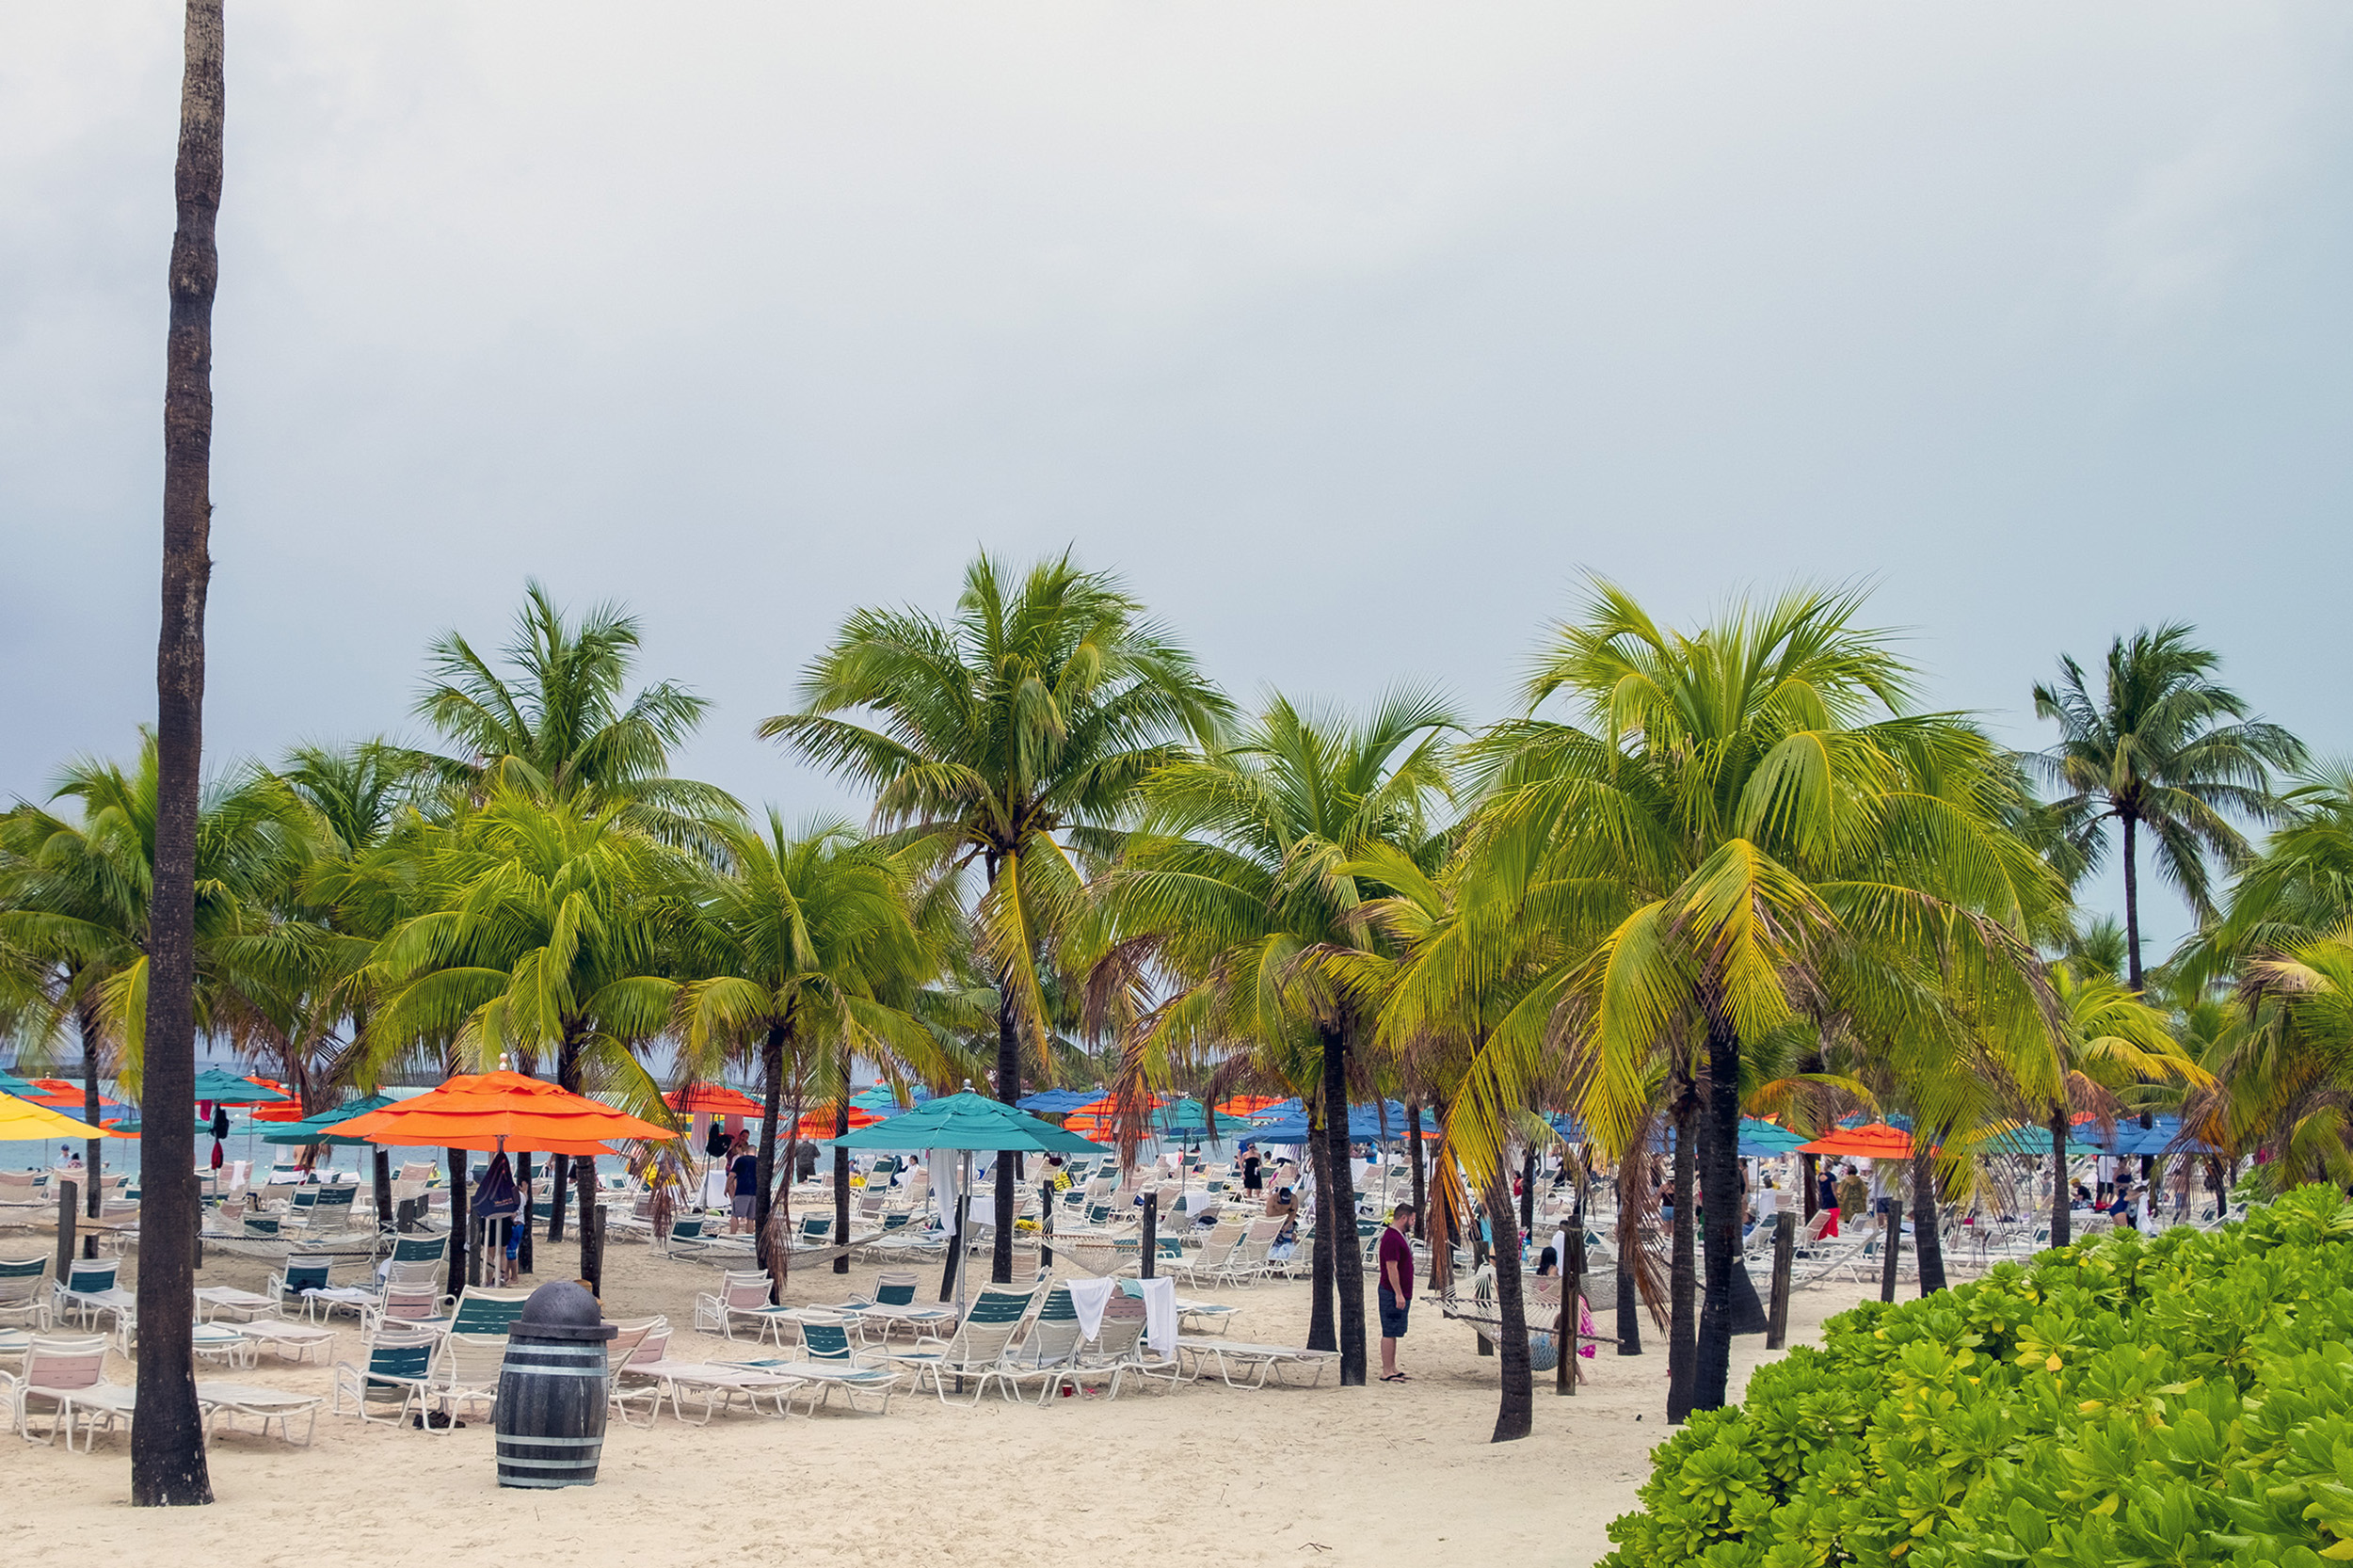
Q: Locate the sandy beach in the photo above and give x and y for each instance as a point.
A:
(1387, 1474)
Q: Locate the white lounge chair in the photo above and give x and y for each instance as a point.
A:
(69, 1376)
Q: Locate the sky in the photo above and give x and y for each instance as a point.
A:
(1352, 336)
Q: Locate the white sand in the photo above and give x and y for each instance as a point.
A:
(1387, 1474)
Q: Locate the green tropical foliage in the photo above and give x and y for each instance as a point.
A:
(2178, 1400)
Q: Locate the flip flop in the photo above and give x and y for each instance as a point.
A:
(1393, 1377)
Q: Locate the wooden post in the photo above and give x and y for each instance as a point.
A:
(68, 1203)
(1785, 1254)
(459, 1233)
(1571, 1299)
(955, 1250)
(522, 1242)
(383, 1172)
(1152, 1231)
(1046, 1227)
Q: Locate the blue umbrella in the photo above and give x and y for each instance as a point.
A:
(1056, 1102)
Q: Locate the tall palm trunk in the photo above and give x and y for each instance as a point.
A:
(1682, 1272)
(1810, 1178)
(1413, 1144)
(94, 1149)
(1527, 1192)
(168, 1464)
(458, 1234)
(2132, 903)
(1008, 1162)
(591, 1243)
(1629, 1238)
(1719, 1186)
(1348, 1255)
(2062, 1201)
(1516, 1411)
(771, 1105)
(841, 1180)
(1928, 1243)
(1322, 1321)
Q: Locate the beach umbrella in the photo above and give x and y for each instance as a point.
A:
(823, 1121)
(964, 1123)
(713, 1099)
(1763, 1140)
(24, 1121)
(319, 1126)
(497, 1111)
(225, 1088)
(1055, 1102)
(1873, 1141)
(23, 1088)
(884, 1100)
(60, 1094)
(1247, 1105)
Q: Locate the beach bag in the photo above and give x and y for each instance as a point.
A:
(1543, 1355)
(495, 1196)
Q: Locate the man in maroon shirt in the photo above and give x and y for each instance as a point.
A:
(1395, 1260)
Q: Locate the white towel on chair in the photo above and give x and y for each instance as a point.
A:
(942, 1164)
(1088, 1298)
(1159, 1315)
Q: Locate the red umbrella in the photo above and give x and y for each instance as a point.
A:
(824, 1121)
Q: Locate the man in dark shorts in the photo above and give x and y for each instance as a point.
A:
(1397, 1289)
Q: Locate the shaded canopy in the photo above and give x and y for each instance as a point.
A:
(501, 1109)
(967, 1121)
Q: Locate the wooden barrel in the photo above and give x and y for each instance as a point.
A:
(553, 1390)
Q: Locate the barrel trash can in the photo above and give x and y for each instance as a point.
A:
(551, 1390)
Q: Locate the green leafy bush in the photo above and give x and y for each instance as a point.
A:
(2119, 1403)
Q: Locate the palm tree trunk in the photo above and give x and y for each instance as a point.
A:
(1515, 1412)
(524, 1262)
(1347, 1255)
(1719, 1186)
(1927, 1242)
(1629, 1238)
(167, 1462)
(559, 1185)
(771, 1105)
(2062, 1201)
(841, 1179)
(1810, 1178)
(1413, 1142)
(1008, 1091)
(591, 1243)
(2132, 903)
(1683, 1277)
(1322, 1320)
(94, 1149)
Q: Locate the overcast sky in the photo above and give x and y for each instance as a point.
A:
(1351, 334)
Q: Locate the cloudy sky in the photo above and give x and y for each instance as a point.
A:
(1351, 334)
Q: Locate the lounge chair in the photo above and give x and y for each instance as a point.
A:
(1258, 1361)
(830, 1361)
(895, 1304)
(88, 1294)
(485, 1311)
(69, 1375)
(627, 1339)
(719, 1385)
(289, 1342)
(25, 1291)
(419, 1249)
(1047, 1353)
(1112, 1354)
(295, 1286)
(226, 1401)
(742, 1295)
(399, 1357)
(990, 1324)
(465, 1372)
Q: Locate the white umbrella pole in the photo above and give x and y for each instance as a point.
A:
(963, 1209)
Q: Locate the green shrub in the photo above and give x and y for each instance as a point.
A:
(2119, 1403)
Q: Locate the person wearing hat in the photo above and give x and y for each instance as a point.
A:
(1396, 1262)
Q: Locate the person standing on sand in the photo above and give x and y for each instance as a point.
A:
(1397, 1289)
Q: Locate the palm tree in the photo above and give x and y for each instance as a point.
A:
(555, 725)
(540, 933)
(2162, 746)
(168, 1467)
(77, 898)
(1765, 833)
(809, 946)
(1243, 877)
(1013, 734)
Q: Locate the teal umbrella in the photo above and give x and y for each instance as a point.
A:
(1761, 1139)
(224, 1088)
(966, 1122)
(2032, 1140)
(314, 1129)
(11, 1085)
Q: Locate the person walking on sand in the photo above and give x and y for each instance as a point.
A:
(1397, 1289)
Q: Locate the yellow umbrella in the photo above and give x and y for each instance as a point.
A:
(21, 1121)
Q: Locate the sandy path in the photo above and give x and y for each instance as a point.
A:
(1388, 1474)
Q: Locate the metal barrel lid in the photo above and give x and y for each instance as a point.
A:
(561, 1310)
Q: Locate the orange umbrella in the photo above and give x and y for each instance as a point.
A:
(824, 1121)
(1874, 1141)
(1242, 1106)
(288, 1109)
(713, 1099)
(492, 1111)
